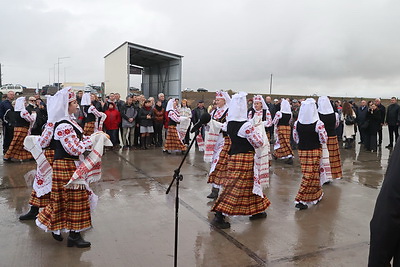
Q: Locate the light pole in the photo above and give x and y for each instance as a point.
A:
(270, 85)
(58, 63)
(54, 74)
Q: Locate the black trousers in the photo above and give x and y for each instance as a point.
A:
(393, 130)
(380, 135)
(8, 133)
(363, 133)
(158, 138)
(370, 142)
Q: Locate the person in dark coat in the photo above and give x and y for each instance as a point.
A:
(385, 223)
(146, 116)
(8, 129)
(383, 115)
(362, 111)
(392, 120)
(196, 115)
(374, 124)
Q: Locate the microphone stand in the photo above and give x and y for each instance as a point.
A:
(179, 177)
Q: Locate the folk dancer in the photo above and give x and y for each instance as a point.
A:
(218, 141)
(71, 198)
(173, 142)
(93, 119)
(331, 122)
(237, 197)
(23, 123)
(309, 132)
(282, 131)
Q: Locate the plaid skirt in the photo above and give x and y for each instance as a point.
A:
(16, 149)
(88, 130)
(44, 200)
(310, 188)
(237, 196)
(334, 157)
(284, 140)
(219, 174)
(173, 142)
(69, 209)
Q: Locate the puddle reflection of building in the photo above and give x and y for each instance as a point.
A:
(369, 168)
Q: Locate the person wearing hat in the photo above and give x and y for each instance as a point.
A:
(173, 142)
(237, 197)
(69, 208)
(331, 122)
(282, 147)
(309, 132)
(219, 164)
(23, 122)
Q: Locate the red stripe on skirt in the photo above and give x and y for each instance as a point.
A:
(221, 169)
(237, 197)
(69, 208)
(284, 140)
(88, 130)
(173, 142)
(310, 188)
(16, 149)
(334, 157)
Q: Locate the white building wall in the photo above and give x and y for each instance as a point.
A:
(117, 72)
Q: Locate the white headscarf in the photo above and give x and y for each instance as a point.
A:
(170, 104)
(20, 104)
(86, 99)
(238, 107)
(324, 105)
(57, 106)
(259, 98)
(285, 107)
(223, 95)
(308, 112)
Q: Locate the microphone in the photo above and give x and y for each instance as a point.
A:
(204, 119)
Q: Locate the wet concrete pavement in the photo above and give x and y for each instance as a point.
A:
(134, 220)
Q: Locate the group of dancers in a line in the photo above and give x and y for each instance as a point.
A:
(238, 148)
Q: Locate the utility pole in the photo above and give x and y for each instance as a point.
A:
(270, 85)
(58, 80)
(1, 75)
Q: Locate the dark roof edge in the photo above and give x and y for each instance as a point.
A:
(144, 47)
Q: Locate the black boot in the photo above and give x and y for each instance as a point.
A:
(149, 142)
(260, 215)
(143, 142)
(75, 239)
(214, 193)
(219, 221)
(31, 215)
(57, 237)
(301, 206)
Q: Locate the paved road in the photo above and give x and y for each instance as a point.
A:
(134, 220)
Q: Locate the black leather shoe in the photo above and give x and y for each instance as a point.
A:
(301, 206)
(75, 239)
(257, 216)
(57, 237)
(214, 193)
(219, 221)
(31, 215)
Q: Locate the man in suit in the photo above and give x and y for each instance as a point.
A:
(383, 115)
(361, 113)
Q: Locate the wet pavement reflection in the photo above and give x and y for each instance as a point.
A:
(134, 220)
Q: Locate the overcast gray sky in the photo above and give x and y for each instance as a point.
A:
(348, 48)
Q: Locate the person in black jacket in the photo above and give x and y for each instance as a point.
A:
(196, 115)
(374, 124)
(8, 129)
(385, 224)
(361, 118)
(383, 114)
(146, 117)
(392, 120)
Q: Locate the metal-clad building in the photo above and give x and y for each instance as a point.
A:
(161, 71)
